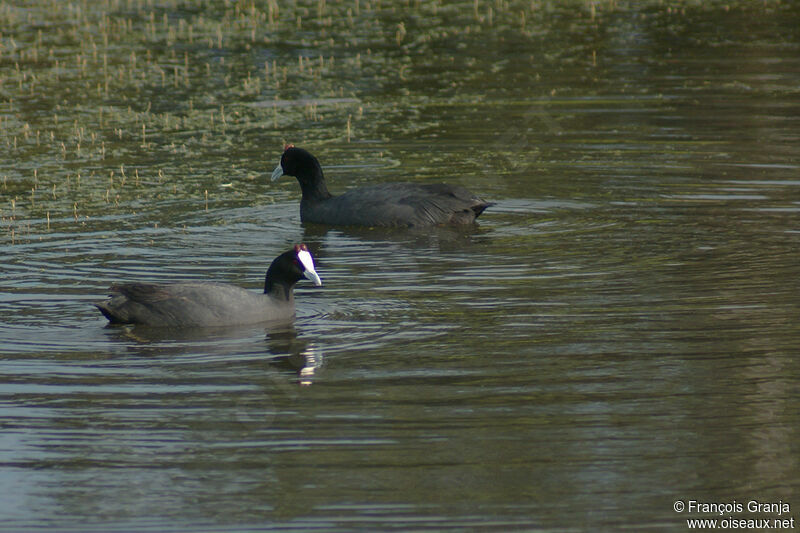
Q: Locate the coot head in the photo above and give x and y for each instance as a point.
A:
(290, 267)
(299, 163)
(305, 167)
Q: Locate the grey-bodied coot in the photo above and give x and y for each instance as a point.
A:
(200, 304)
(385, 204)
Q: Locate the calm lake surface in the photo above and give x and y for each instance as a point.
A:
(620, 331)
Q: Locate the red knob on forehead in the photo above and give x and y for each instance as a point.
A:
(287, 146)
(300, 247)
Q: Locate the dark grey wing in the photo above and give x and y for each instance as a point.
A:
(398, 204)
(443, 204)
(376, 205)
(141, 303)
(142, 292)
(177, 304)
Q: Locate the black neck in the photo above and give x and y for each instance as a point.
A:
(276, 284)
(312, 183)
(279, 290)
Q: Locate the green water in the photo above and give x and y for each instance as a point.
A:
(619, 332)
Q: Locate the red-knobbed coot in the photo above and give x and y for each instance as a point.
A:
(212, 304)
(386, 204)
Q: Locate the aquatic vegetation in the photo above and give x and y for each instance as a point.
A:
(113, 108)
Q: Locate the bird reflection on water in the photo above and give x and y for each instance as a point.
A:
(284, 349)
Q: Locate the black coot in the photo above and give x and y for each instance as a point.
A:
(212, 304)
(387, 204)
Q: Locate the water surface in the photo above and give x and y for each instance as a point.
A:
(618, 332)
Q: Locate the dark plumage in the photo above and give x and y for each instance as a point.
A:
(212, 304)
(386, 204)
